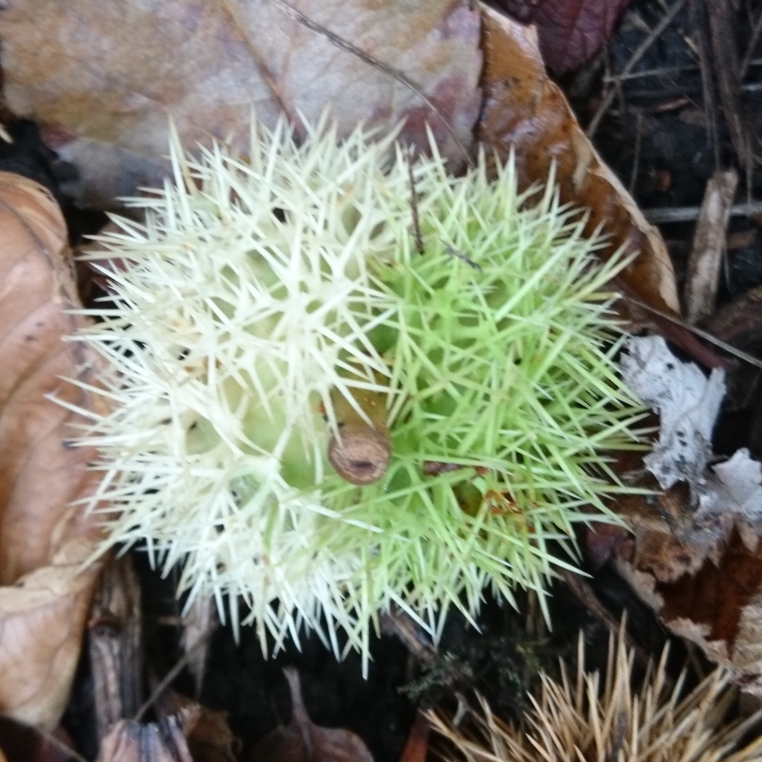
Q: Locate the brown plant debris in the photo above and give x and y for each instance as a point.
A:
(301, 741)
(695, 555)
(44, 595)
(207, 733)
(590, 717)
(527, 114)
(162, 741)
(708, 250)
(115, 644)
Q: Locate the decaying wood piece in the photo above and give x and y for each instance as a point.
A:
(114, 643)
(703, 275)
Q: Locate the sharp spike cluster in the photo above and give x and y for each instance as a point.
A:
(260, 287)
(587, 719)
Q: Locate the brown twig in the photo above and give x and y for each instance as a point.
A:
(463, 258)
(414, 207)
(747, 59)
(698, 18)
(690, 213)
(636, 158)
(661, 71)
(702, 276)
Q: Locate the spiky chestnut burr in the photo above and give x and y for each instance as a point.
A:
(587, 717)
(273, 309)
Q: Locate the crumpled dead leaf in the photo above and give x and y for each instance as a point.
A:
(44, 596)
(702, 578)
(571, 31)
(687, 403)
(301, 741)
(695, 555)
(106, 107)
(74, 67)
(740, 478)
(104, 76)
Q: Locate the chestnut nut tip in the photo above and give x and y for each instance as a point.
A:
(362, 455)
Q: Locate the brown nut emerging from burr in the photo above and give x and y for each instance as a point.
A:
(360, 452)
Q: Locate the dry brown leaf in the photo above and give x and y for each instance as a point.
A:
(207, 732)
(695, 555)
(703, 579)
(43, 542)
(104, 76)
(526, 111)
(210, 739)
(163, 741)
(301, 741)
(571, 31)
